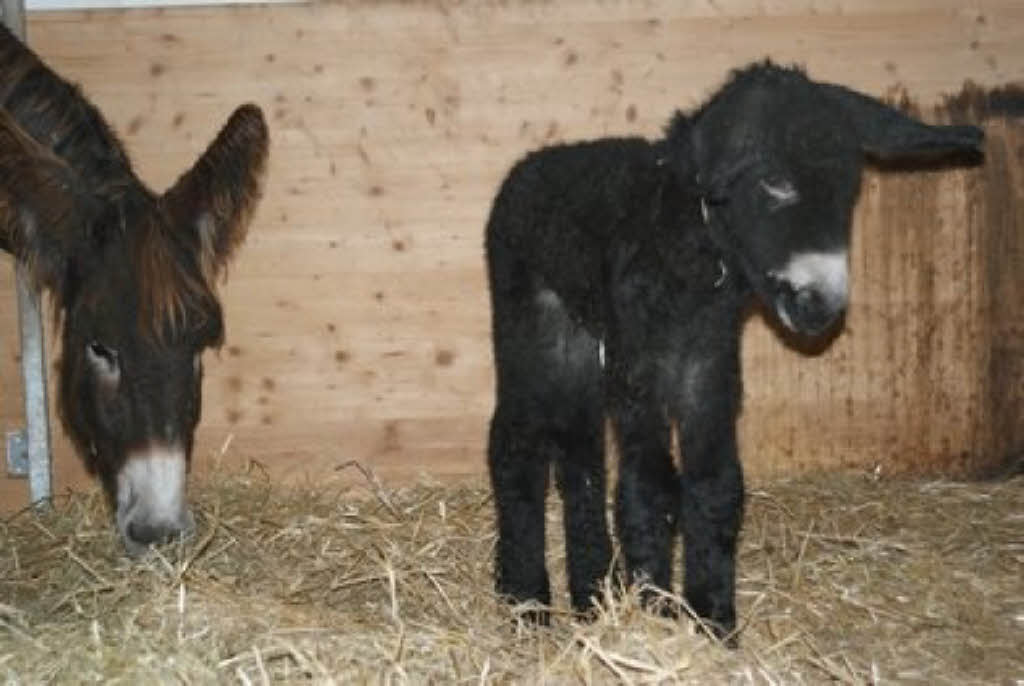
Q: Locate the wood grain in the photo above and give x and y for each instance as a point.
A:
(358, 323)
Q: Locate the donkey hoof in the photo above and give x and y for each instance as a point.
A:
(531, 614)
(721, 633)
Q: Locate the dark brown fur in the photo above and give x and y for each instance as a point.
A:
(132, 273)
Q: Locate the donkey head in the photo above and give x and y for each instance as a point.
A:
(133, 277)
(779, 160)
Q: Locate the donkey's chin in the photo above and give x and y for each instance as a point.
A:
(151, 503)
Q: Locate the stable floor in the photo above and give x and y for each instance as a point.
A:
(843, 578)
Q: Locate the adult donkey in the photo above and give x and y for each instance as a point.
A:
(132, 276)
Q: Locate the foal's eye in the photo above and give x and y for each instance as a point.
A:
(780, 191)
(104, 359)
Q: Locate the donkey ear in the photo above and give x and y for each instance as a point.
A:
(41, 208)
(887, 133)
(218, 195)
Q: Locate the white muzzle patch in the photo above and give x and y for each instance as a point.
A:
(826, 272)
(816, 277)
(151, 501)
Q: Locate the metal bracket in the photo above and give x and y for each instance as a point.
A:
(17, 454)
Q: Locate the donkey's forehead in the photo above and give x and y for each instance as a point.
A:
(788, 109)
(147, 284)
(794, 146)
(784, 137)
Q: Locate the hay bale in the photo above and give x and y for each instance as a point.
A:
(842, 578)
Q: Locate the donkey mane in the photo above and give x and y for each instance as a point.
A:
(172, 294)
(172, 298)
(765, 71)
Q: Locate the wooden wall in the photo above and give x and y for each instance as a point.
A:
(358, 325)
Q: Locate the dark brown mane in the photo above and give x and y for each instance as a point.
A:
(173, 296)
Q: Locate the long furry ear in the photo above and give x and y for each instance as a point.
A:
(216, 198)
(888, 134)
(42, 210)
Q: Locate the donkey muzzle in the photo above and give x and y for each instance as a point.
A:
(810, 293)
(151, 502)
(807, 310)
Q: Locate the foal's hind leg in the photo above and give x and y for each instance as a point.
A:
(549, 408)
(519, 465)
(583, 484)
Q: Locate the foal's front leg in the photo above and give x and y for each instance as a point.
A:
(711, 489)
(647, 494)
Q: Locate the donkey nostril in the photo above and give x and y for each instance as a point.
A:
(811, 306)
(140, 533)
(813, 310)
(150, 533)
(808, 300)
(781, 285)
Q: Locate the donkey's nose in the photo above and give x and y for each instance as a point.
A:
(140, 533)
(809, 293)
(151, 505)
(812, 312)
(808, 310)
(146, 534)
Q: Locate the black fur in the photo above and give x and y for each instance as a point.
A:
(613, 297)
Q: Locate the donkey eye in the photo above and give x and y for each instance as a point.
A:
(102, 357)
(99, 350)
(781, 191)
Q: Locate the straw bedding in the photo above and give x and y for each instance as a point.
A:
(842, 578)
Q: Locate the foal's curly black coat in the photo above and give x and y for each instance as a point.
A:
(619, 273)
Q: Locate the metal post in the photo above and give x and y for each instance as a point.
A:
(36, 437)
(14, 16)
(33, 374)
